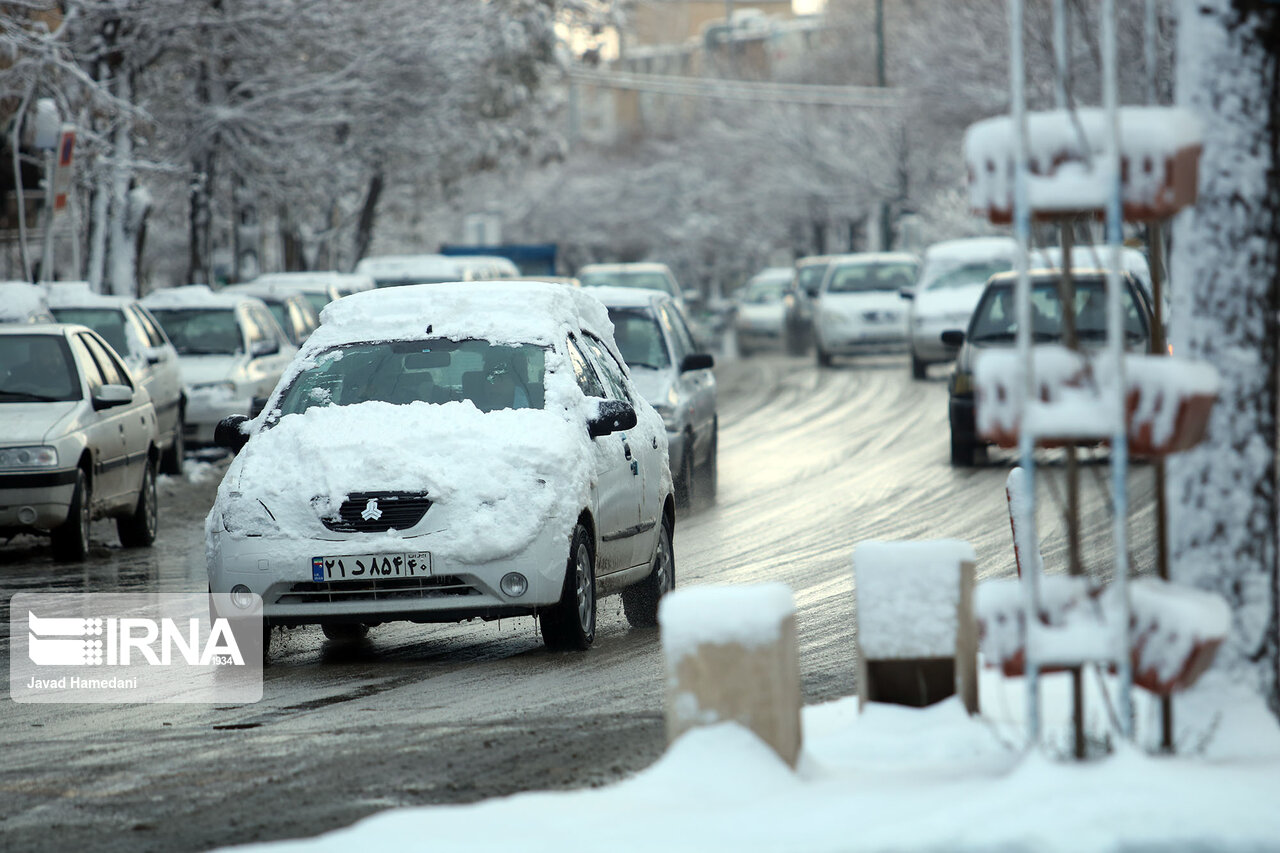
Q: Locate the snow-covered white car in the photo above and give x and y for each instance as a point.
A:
(77, 439)
(859, 307)
(138, 339)
(231, 352)
(760, 316)
(676, 378)
(320, 287)
(295, 313)
(952, 277)
(447, 452)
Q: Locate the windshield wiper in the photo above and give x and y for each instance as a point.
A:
(35, 398)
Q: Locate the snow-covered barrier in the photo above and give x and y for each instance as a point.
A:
(1159, 163)
(1167, 401)
(1174, 630)
(732, 654)
(915, 630)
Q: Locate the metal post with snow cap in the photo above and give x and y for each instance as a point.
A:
(732, 656)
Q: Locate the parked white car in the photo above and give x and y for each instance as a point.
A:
(677, 379)
(953, 275)
(230, 349)
(138, 339)
(859, 307)
(448, 452)
(644, 275)
(293, 310)
(760, 318)
(78, 439)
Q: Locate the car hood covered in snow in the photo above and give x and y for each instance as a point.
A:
(494, 479)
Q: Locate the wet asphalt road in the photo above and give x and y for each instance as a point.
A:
(811, 462)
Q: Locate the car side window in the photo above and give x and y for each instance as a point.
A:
(88, 365)
(255, 331)
(270, 327)
(112, 371)
(681, 340)
(584, 372)
(154, 336)
(610, 370)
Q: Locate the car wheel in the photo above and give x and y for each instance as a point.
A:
(823, 357)
(962, 452)
(571, 623)
(71, 538)
(640, 602)
(708, 475)
(171, 462)
(345, 633)
(138, 528)
(919, 369)
(684, 480)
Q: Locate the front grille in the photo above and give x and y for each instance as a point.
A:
(398, 510)
(389, 589)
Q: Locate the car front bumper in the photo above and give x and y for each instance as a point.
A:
(36, 500)
(280, 571)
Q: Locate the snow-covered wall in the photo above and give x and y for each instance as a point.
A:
(1225, 280)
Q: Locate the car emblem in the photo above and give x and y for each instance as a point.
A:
(371, 511)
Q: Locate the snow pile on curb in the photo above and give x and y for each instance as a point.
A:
(749, 615)
(907, 594)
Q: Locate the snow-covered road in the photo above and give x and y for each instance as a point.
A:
(812, 462)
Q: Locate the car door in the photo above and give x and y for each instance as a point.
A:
(640, 447)
(695, 388)
(104, 430)
(617, 499)
(160, 375)
(135, 421)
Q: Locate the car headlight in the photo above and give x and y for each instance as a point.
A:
(669, 419)
(246, 516)
(41, 456)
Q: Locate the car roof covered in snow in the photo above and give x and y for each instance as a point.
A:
(875, 258)
(78, 294)
(194, 296)
(499, 311)
(312, 281)
(639, 266)
(628, 297)
(978, 248)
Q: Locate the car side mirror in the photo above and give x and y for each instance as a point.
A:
(258, 349)
(155, 355)
(907, 293)
(229, 433)
(953, 337)
(110, 396)
(611, 416)
(697, 361)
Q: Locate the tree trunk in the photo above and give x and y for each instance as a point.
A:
(1226, 286)
(364, 227)
(121, 270)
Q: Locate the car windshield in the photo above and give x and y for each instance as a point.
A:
(639, 338)
(869, 277)
(648, 280)
(201, 331)
(945, 273)
(280, 310)
(108, 322)
(434, 370)
(36, 369)
(763, 290)
(994, 320)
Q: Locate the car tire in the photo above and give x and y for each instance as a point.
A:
(345, 633)
(962, 453)
(823, 357)
(570, 624)
(919, 369)
(640, 601)
(171, 461)
(708, 475)
(684, 482)
(71, 538)
(138, 528)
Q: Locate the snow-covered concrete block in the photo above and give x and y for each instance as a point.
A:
(732, 654)
(1069, 174)
(915, 632)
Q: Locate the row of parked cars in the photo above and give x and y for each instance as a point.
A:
(428, 452)
(945, 306)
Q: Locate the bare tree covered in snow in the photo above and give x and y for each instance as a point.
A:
(1224, 504)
